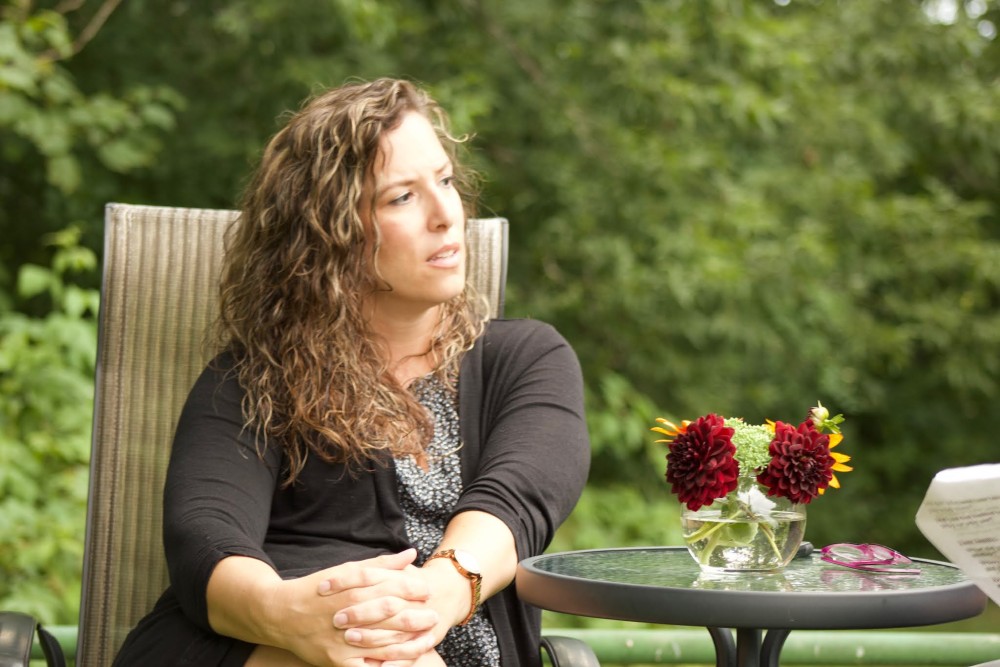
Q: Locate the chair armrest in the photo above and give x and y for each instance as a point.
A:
(569, 652)
(17, 633)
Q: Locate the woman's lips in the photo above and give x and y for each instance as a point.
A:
(447, 257)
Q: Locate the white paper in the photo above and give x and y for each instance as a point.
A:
(960, 516)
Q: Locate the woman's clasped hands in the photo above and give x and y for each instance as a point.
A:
(383, 610)
(369, 613)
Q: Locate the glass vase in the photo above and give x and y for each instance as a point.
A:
(745, 531)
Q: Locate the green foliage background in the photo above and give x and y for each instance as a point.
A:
(738, 206)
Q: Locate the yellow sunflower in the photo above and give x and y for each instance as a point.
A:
(839, 461)
(672, 430)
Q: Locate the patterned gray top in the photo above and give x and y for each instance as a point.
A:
(428, 498)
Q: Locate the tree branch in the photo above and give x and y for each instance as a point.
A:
(89, 31)
(96, 22)
(67, 6)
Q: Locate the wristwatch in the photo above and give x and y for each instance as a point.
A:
(467, 566)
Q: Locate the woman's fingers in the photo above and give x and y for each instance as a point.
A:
(377, 638)
(379, 609)
(397, 561)
(402, 652)
(391, 569)
(380, 601)
(405, 651)
(387, 613)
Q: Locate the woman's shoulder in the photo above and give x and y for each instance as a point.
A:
(218, 375)
(520, 339)
(520, 331)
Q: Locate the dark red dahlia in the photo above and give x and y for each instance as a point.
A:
(700, 464)
(801, 463)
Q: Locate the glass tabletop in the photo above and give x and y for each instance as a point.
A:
(673, 567)
(665, 585)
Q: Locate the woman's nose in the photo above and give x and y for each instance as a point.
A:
(442, 211)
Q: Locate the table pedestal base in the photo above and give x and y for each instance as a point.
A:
(748, 650)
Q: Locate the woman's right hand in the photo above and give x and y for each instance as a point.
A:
(248, 600)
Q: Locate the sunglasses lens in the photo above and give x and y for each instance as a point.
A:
(848, 552)
(881, 553)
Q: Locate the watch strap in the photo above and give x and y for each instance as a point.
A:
(475, 580)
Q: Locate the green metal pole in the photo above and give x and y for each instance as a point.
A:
(833, 647)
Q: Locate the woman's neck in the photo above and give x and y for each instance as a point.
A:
(408, 342)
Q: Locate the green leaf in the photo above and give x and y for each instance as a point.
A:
(126, 154)
(34, 280)
(63, 171)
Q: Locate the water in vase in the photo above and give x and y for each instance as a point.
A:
(765, 542)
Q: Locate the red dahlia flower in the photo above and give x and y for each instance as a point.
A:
(801, 464)
(701, 465)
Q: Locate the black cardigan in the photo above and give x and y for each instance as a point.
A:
(525, 458)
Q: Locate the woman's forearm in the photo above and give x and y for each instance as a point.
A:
(491, 541)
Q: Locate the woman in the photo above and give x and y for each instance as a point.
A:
(355, 478)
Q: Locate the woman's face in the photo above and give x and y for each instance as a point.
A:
(420, 218)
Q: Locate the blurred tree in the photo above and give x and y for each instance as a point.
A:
(52, 133)
(46, 380)
(744, 207)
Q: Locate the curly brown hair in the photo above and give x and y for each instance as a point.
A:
(297, 268)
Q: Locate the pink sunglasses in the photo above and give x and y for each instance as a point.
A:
(867, 558)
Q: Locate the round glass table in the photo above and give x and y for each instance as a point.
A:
(665, 585)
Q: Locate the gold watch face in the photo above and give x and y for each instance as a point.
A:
(468, 561)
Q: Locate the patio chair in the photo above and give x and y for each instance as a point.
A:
(158, 298)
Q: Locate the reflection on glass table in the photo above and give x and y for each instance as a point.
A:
(665, 585)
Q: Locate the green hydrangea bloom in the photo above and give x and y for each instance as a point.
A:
(751, 442)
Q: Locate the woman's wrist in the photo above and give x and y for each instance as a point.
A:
(451, 594)
(244, 600)
(467, 565)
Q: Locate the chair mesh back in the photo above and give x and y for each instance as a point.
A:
(158, 299)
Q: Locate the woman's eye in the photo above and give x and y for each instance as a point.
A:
(402, 199)
(448, 181)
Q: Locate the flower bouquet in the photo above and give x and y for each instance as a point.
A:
(744, 486)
